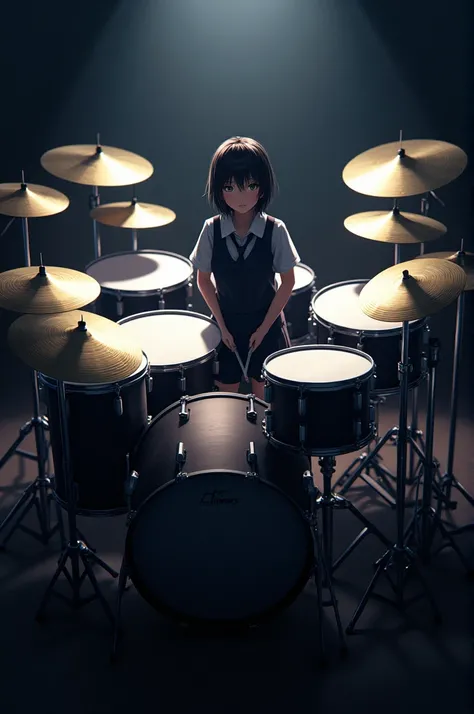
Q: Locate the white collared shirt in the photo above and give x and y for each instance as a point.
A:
(284, 252)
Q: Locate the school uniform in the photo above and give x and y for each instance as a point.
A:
(244, 273)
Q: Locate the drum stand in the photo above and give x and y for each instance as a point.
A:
(398, 556)
(76, 550)
(426, 519)
(36, 494)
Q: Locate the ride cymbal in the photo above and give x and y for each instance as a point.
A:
(462, 258)
(23, 200)
(75, 347)
(43, 290)
(394, 227)
(404, 169)
(412, 290)
(96, 165)
(132, 214)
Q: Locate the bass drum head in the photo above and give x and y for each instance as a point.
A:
(218, 546)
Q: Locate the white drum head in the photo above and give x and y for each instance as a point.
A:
(304, 276)
(318, 364)
(339, 306)
(172, 337)
(140, 271)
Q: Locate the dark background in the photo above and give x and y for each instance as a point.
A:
(318, 82)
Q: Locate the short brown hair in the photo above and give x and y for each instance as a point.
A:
(240, 158)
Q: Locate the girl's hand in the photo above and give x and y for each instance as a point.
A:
(227, 339)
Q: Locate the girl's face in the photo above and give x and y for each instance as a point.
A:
(241, 201)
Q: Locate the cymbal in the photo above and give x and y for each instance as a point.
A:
(96, 165)
(394, 227)
(462, 258)
(75, 347)
(423, 165)
(23, 200)
(132, 214)
(40, 289)
(412, 290)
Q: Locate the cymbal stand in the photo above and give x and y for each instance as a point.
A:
(94, 202)
(398, 556)
(426, 519)
(134, 230)
(38, 494)
(76, 550)
(449, 480)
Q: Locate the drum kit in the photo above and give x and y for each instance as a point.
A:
(221, 505)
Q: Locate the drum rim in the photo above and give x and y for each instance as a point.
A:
(160, 606)
(391, 332)
(306, 288)
(99, 387)
(138, 293)
(318, 386)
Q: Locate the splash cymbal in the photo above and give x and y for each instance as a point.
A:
(75, 347)
(394, 227)
(462, 258)
(394, 170)
(133, 214)
(42, 290)
(412, 290)
(96, 165)
(23, 200)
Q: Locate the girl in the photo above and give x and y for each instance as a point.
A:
(243, 248)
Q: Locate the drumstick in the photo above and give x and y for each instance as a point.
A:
(244, 371)
(247, 363)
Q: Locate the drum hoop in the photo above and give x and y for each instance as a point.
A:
(318, 387)
(98, 387)
(177, 366)
(156, 291)
(190, 400)
(391, 332)
(277, 607)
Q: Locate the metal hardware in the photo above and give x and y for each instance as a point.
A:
(119, 305)
(267, 392)
(161, 300)
(268, 421)
(183, 411)
(118, 403)
(182, 380)
(251, 413)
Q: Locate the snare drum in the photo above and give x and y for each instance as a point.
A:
(218, 530)
(181, 347)
(319, 398)
(297, 311)
(104, 424)
(339, 320)
(138, 281)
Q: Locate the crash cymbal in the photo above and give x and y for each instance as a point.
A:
(75, 347)
(412, 290)
(42, 290)
(394, 170)
(132, 214)
(462, 258)
(96, 165)
(23, 200)
(394, 227)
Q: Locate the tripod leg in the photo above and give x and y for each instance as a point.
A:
(446, 535)
(90, 572)
(118, 610)
(365, 521)
(365, 598)
(61, 566)
(318, 579)
(424, 584)
(24, 431)
(29, 492)
(101, 563)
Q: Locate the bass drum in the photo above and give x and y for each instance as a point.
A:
(208, 541)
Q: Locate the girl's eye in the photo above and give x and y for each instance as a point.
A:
(228, 188)
(253, 186)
